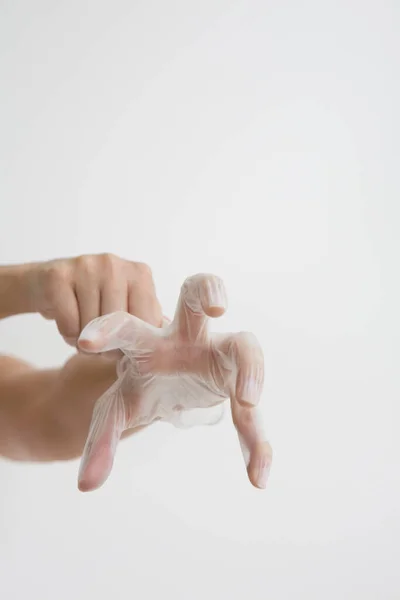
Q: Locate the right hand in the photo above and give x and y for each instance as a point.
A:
(74, 291)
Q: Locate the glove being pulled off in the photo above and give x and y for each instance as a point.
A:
(182, 374)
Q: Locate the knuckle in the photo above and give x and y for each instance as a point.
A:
(193, 291)
(109, 259)
(111, 266)
(54, 276)
(85, 264)
(144, 272)
(247, 342)
(246, 350)
(93, 265)
(247, 338)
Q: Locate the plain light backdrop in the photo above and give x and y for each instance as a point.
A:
(258, 140)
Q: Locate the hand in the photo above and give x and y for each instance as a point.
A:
(173, 374)
(74, 291)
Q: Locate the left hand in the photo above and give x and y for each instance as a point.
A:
(173, 374)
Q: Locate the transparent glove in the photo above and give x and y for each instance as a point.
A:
(181, 374)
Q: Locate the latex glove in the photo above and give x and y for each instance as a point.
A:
(181, 374)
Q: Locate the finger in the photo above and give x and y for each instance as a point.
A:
(201, 296)
(88, 295)
(118, 331)
(143, 303)
(71, 342)
(67, 314)
(246, 353)
(238, 366)
(114, 297)
(108, 423)
(256, 450)
(249, 360)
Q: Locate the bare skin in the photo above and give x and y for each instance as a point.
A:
(45, 414)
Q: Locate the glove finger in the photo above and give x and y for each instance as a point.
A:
(256, 450)
(201, 296)
(108, 423)
(249, 360)
(119, 330)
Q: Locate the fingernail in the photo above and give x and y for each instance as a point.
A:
(263, 474)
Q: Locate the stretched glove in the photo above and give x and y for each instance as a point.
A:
(181, 374)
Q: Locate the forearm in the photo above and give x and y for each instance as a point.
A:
(45, 415)
(23, 396)
(15, 293)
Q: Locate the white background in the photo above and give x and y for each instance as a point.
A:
(258, 140)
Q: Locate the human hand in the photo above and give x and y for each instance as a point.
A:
(74, 291)
(173, 374)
